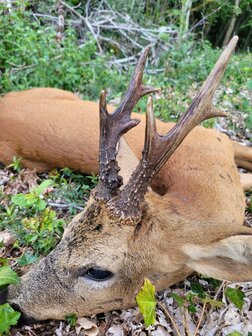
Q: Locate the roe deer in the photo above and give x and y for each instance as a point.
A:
(178, 209)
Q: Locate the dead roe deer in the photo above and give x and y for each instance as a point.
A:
(175, 209)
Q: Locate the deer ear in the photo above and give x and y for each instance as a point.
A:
(126, 159)
(227, 259)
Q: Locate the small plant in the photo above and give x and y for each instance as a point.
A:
(71, 319)
(147, 302)
(32, 201)
(16, 164)
(8, 316)
(7, 276)
(236, 296)
(72, 188)
(35, 224)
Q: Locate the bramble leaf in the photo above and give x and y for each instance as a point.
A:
(146, 302)
(42, 187)
(180, 301)
(27, 259)
(235, 333)
(236, 296)
(8, 317)
(71, 319)
(214, 303)
(8, 276)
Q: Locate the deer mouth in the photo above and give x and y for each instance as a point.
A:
(3, 296)
(24, 319)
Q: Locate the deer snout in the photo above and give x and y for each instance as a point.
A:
(3, 295)
(39, 294)
(24, 319)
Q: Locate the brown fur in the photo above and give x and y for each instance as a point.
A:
(192, 220)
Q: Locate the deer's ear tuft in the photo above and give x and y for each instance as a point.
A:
(227, 259)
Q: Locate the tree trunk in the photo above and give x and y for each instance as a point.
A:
(231, 24)
(184, 18)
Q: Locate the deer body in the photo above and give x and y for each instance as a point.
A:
(63, 131)
(190, 219)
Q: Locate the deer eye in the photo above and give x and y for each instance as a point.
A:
(98, 274)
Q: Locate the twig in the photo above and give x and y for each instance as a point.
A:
(200, 319)
(216, 296)
(168, 316)
(137, 29)
(64, 206)
(125, 35)
(203, 19)
(46, 16)
(185, 321)
(85, 20)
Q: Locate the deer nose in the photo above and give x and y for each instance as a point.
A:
(24, 319)
(3, 295)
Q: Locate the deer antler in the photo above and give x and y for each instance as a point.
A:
(113, 126)
(158, 148)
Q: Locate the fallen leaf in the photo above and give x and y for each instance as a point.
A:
(147, 303)
(8, 276)
(7, 238)
(89, 328)
(115, 330)
(236, 296)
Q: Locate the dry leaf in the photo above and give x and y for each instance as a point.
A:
(23, 183)
(89, 328)
(29, 177)
(160, 331)
(7, 238)
(115, 330)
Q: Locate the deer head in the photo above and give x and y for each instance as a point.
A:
(127, 232)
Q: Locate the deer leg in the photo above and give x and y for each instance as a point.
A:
(246, 181)
(243, 156)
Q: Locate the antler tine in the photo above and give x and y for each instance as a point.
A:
(159, 148)
(113, 126)
(150, 129)
(136, 89)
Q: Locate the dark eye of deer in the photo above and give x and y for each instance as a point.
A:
(98, 274)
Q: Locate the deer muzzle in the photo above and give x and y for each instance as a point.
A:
(40, 295)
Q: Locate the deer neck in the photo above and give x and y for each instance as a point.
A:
(156, 237)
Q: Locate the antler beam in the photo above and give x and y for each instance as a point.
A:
(159, 148)
(113, 126)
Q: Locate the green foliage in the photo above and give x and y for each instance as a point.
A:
(16, 164)
(250, 205)
(34, 223)
(214, 303)
(27, 259)
(197, 293)
(146, 302)
(31, 56)
(179, 300)
(236, 296)
(8, 318)
(235, 333)
(8, 276)
(72, 187)
(71, 319)
(32, 201)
